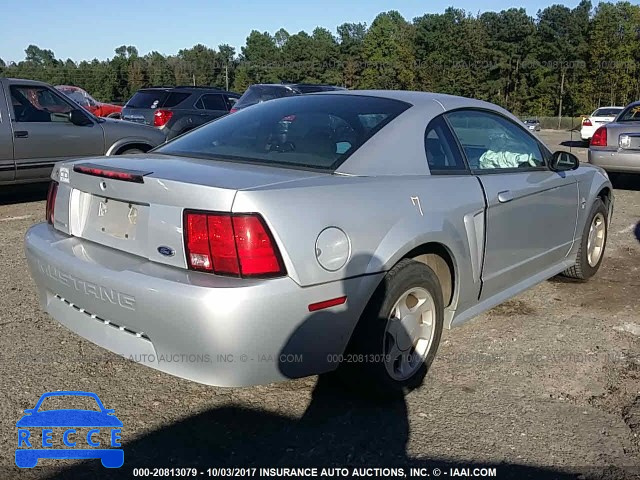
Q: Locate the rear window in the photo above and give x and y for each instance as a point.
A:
(262, 93)
(147, 99)
(631, 114)
(606, 112)
(316, 131)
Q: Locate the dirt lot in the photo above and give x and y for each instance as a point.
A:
(546, 385)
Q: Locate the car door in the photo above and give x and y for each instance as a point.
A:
(7, 164)
(531, 211)
(43, 133)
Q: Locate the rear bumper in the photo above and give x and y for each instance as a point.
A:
(615, 160)
(210, 329)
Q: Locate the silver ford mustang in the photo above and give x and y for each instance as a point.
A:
(335, 231)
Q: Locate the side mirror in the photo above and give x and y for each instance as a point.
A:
(562, 161)
(77, 117)
(29, 410)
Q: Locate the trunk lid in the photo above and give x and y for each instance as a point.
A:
(624, 135)
(597, 121)
(145, 219)
(143, 116)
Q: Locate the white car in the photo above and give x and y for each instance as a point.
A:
(598, 118)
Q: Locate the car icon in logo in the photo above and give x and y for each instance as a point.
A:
(36, 429)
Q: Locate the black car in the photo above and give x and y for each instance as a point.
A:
(268, 91)
(175, 110)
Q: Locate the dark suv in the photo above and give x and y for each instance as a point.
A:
(175, 110)
(263, 92)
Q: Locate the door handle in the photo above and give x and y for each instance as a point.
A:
(21, 134)
(505, 196)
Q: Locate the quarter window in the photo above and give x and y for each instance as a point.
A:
(443, 155)
(491, 142)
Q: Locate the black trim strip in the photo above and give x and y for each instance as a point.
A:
(31, 166)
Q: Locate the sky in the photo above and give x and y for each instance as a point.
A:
(83, 30)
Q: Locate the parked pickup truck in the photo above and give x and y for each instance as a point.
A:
(39, 126)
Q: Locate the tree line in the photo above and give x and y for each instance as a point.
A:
(562, 61)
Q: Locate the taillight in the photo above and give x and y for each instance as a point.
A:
(599, 138)
(51, 202)
(586, 122)
(233, 110)
(231, 244)
(161, 117)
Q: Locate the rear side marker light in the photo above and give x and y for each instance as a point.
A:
(51, 202)
(112, 173)
(240, 245)
(327, 303)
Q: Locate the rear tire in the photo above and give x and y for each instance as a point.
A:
(592, 244)
(131, 151)
(390, 351)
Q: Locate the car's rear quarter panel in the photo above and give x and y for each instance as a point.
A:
(384, 218)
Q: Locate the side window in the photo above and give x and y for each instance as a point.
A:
(211, 102)
(174, 98)
(443, 155)
(492, 142)
(38, 104)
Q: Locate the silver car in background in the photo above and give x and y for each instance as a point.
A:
(616, 145)
(40, 126)
(332, 231)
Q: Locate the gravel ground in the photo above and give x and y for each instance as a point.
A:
(546, 385)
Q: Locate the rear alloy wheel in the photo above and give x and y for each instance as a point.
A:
(592, 244)
(398, 334)
(409, 333)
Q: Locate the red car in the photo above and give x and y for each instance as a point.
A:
(86, 101)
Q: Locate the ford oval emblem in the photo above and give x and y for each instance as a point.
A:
(166, 251)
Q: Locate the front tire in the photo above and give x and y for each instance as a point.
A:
(398, 334)
(592, 244)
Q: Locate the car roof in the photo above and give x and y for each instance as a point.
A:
(187, 88)
(68, 87)
(23, 81)
(403, 137)
(287, 84)
(447, 102)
